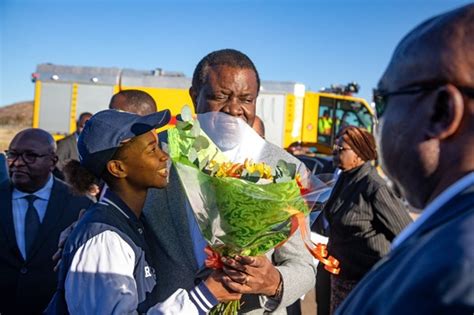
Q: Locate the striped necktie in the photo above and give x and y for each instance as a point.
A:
(32, 224)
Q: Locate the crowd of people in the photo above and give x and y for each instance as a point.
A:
(134, 246)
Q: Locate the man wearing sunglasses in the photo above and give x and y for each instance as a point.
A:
(425, 104)
(35, 207)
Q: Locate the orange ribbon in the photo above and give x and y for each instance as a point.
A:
(319, 251)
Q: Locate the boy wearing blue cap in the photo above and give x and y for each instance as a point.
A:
(107, 266)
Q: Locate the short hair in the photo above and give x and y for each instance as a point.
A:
(225, 57)
(82, 116)
(134, 101)
(361, 142)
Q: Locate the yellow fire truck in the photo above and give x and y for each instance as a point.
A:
(290, 113)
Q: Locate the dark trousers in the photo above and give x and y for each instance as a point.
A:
(323, 291)
(295, 308)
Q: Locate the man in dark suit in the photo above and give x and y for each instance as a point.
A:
(425, 104)
(35, 208)
(67, 147)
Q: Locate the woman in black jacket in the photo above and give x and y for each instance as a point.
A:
(363, 212)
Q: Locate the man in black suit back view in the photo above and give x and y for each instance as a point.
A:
(35, 208)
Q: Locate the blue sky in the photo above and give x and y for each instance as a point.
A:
(312, 42)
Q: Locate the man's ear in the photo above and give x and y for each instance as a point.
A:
(54, 160)
(447, 112)
(117, 169)
(193, 94)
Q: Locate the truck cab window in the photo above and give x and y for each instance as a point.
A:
(349, 113)
(325, 120)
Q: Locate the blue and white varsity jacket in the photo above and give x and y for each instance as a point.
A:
(107, 268)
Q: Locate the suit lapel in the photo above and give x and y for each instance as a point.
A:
(177, 199)
(57, 199)
(165, 210)
(6, 217)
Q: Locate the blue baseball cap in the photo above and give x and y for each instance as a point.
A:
(107, 130)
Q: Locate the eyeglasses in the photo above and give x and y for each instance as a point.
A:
(28, 157)
(338, 148)
(380, 98)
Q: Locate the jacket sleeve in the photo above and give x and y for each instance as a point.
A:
(100, 281)
(197, 301)
(390, 211)
(297, 270)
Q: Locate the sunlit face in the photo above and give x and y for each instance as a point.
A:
(145, 162)
(407, 154)
(344, 157)
(230, 90)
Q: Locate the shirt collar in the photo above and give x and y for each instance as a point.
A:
(111, 198)
(43, 193)
(434, 206)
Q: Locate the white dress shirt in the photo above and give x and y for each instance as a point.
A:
(434, 206)
(20, 205)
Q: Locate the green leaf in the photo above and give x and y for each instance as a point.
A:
(252, 179)
(255, 174)
(291, 169)
(200, 143)
(196, 130)
(284, 169)
(214, 169)
(183, 125)
(283, 179)
(203, 163)
(186, 113)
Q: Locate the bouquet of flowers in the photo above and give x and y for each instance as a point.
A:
(244, 202)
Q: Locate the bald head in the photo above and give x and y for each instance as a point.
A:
(437, 51)
(36, 135)
(31, 159)
(425, 135)
(133, 101)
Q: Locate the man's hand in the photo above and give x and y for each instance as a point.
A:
(255, 275)
(216, 285)
(63, 238)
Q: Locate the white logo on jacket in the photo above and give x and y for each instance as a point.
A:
(147, 272)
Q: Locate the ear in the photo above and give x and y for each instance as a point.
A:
(54, 160)
(194, 95)
(117, 169)
(447, 112)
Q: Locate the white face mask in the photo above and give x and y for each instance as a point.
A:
(224, 130)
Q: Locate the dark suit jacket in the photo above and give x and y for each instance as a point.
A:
(67, 150)
(431, 272)
(364, 217)
(27, 286)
